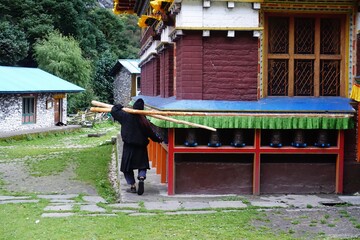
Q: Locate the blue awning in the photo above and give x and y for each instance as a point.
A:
(267, 113)
(269, 104)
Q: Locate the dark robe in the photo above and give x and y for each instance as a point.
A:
(135, 131)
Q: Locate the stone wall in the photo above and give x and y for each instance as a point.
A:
(11, 112)
(122, 87)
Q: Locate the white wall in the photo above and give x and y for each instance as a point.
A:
(11, 113)
(218, 15)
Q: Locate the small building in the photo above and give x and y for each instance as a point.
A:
(126, 73)
(31, 98)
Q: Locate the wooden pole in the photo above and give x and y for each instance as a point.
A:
(183, 122)
(105, 109)
(224, 114)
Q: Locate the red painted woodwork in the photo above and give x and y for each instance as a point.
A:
(170, 164)
(256, 171)
(216, 67)
(257, 150)
(189, 66)
(167, 71)
(340, 164)
(230, 66)
(150, 78)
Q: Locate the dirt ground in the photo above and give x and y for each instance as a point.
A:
(315, 223)
(17, 179)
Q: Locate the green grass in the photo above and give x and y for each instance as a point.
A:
(47, 166)
(92, 167)
(49, 154)
(25, 222)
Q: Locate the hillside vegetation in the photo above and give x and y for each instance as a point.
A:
(77, 40)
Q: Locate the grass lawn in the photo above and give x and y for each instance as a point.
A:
(24, 222)
(45, 155)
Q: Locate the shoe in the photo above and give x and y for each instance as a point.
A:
(141, 186)
(131, 190)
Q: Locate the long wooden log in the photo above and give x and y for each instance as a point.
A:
(106, 109)
(183, 122)
(224, 114)
(101, 104)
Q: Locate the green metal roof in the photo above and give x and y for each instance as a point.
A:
(31, 80)
(132, 65)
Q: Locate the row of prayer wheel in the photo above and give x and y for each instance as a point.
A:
(276, 139)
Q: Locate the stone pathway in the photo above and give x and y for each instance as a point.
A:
(66, 205)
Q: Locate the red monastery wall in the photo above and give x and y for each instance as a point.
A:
(189, 65)
(217, 67)
(150, 84)
(230, 66)
(167, 71)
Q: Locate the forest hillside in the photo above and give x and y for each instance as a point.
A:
(77, 40)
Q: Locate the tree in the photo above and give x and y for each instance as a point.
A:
(103, 83)
(62, 57)
(13, 44)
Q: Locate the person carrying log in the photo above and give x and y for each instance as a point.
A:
(135, 131)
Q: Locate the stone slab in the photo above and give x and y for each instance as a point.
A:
(166, 205)
(268, 204)
(354, 200)
(94, 199)
(67, 207)
(19, 201)
(58, 196)
(123, 211)
(124, 205)
(13, 197)
(92, 208)
(299, 201)
(227, 204)
(62, 201)
(57, 215)
(190, 212)
(99, 215)
(195, 205)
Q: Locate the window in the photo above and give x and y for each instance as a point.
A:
(304, 56)
(138, 85)
(28, 110)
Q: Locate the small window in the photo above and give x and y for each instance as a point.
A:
(28, 110)
(138, 85)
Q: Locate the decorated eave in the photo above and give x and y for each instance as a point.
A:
(267, 113)
(158, 13)
(124, 6)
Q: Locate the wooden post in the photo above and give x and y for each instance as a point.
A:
(154, 157)
(256, 164)
(163, 166)
(171, 175)
(340, 164)
(158, 158)
(358, 133)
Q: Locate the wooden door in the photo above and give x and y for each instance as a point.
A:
(57, 110)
